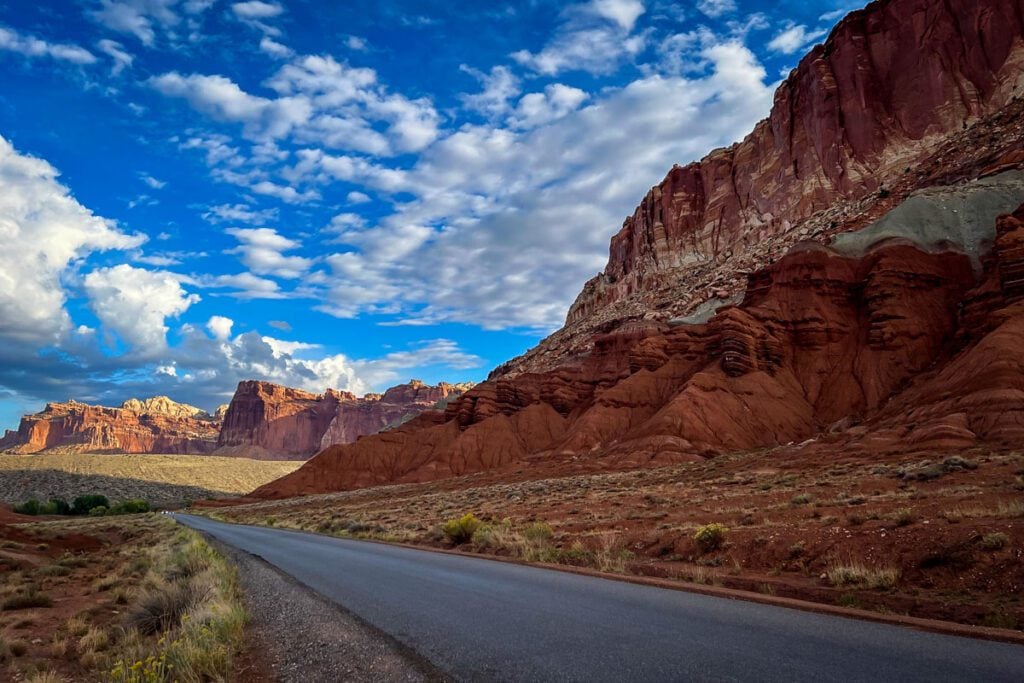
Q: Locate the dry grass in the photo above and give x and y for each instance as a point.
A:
(155, 478)
(861, 576)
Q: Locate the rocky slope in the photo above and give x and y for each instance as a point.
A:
(899, 350)
(904, 95)
(905, 128)
(269, 421)
(155, 425)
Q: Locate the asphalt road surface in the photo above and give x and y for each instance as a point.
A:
(476, 619)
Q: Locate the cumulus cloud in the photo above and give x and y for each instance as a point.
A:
(622, 12)
(505, 224)
(142, 18)
(45, 232)
(30, 46)
(499, 86)
(135, 303)
(262, 252)
(239, 213)
(220, 327)
(318, 100)
(793, 38)
(716, 8)
(255, 9)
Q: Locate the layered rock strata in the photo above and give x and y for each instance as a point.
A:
(155, 425)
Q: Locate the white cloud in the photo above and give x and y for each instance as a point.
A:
(622, 12)
(356, 43)
(275, 49)
(117, 54)
(45, 233)
(262, 251)
(556, 101)
(506, 223)
(30, 46)
(135, 303)
(793, 38)
(356, 197)
(255, 9)
(220, 327)
(716, 8)
(140, 18)
(499, 86)
(595, 38)
(152, 182)
(239, 213)
(222, 99)
(319, 100)
(245, 286)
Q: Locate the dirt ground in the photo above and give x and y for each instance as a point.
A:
(934, 535)
(87, 568)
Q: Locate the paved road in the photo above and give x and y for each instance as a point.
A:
(477, 619)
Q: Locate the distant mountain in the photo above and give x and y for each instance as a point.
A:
(263, 421)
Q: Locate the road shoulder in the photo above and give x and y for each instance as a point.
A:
(297, 635)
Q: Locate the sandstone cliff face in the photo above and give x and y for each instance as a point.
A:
(155, 425)
(898, 98)
(269, 421)
(900, 349)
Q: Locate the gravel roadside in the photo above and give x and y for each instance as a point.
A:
(297, 635)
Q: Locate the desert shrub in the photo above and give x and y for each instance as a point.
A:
(99, 511)
(53, 570)
(538, 531)
(904, 517)
(130, 507)
(802, 499)
(710, 536)
(29, 507)
(461, 530)
(27, 600)
(83, 504)
(862, 576)
(17, 647)
(161, 608)
(94, 640)
(994, 541)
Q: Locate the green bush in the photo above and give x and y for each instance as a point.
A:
(130, 507)
(461, 530)
(710, 537)
(99, 511)
(56, 506)
(29, 507)
(83, 505)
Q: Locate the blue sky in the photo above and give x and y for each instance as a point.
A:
(344, 194)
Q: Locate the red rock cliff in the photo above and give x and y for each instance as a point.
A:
(156, 425)
(269, 421)
(863, 121)
(900, 349)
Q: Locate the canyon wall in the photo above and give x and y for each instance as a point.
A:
(729, 317)
(268, 421)
(155, 425)
(899, 98)
(901, 349)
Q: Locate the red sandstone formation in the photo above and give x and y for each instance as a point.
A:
(156, 425)
(901, 349)
(899, 97)
(268, 421)
(889, 344)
